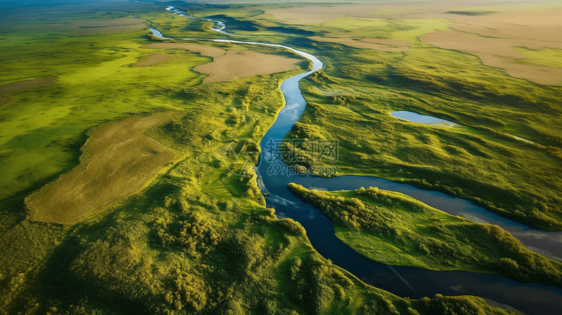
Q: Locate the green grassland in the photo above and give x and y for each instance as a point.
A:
(198, 238)
(351, 100)
(395, 229)
(544, 57)
(477, 160)
(43, 128)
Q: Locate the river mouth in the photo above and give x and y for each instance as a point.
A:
(531, 298)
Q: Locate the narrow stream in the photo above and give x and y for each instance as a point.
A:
(531, 298)
(218, 26)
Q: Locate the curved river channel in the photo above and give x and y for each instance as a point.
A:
(530, 298)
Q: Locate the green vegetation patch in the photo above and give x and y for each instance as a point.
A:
(544, 57)
(395, 229)
(198, 239)
(476, 160)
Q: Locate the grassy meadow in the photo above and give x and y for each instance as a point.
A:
(183, 234)
(44, 128)
(352, 98)
(395, 229)
(197, 240)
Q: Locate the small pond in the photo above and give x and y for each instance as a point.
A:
(424, 119)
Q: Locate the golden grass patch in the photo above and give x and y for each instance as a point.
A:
(20, 86)
(366, 43)
(539, 25)
(314, 14)
(319, 14)
(500, 53)
(239, 64)
(117, 160)
(152, 60)
(523, 20)
(201, 49)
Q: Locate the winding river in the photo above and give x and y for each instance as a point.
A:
(531, 298)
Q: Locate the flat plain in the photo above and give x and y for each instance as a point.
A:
(116, 161)
(239, 64)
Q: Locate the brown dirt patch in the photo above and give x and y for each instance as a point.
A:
(117, 160)
(203, 50)
(499, 53)
(152, 60)
(239, 64)
(16, 87)
(369, 43)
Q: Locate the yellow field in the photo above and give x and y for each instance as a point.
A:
(239, 64)
(152, 60)
(117, 160)
(490, 30)
(370, 43)
(500, 53)
(319, 14)
(20, 86)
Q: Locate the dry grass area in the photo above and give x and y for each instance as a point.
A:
(511, 15)
(369, 43)
(4, 100)
(16, 87)
(313, 15)
(201, 49)
(539, 25)
(490, 30)
(117, 160)
(239, 64)
(319, 14)
(500, 53)
(152, 60)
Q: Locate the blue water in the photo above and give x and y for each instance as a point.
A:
(419, 118)
(218, 26)
(156, 33)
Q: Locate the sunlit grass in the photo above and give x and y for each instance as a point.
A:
(395, 229)
(544, 57)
